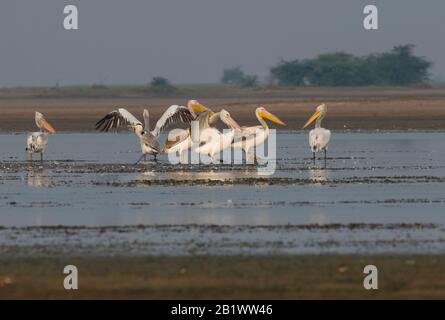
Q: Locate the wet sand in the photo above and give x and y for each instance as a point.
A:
(78, 109)
(224, 277)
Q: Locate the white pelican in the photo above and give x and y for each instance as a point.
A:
(254, 136)
(147, 138)
(210, 140)
(318, 137)
(36, 141)
(184, 142)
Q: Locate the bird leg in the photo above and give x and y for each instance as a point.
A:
(313, 157)
(29, 156)
(41, 156)
(155, 157)
(140, 159)
(325, 156)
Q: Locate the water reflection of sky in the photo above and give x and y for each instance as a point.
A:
(39, 196)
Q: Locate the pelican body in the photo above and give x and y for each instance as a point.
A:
(318, 137)
(256, 135)
(183, 141)
(36, 142)
(148, 139)
(211, 141)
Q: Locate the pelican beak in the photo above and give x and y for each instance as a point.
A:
(269, 116)
(45, 125)
(314, 117)
(199, 108)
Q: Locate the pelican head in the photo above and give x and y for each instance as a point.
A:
(228, 120)
(320, 113)
(42, 124)
(196, 108)
(263, 113)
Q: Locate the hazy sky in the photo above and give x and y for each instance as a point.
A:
(192, 41)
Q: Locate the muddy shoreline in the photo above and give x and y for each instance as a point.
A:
(349, 108)
(225, 277)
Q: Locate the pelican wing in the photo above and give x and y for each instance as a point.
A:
(116, 119)
(319, 139)
(172, 115)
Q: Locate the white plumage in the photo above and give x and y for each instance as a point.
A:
(250, 137)
(36, 142)
(180, 141)
(318, 137)
(210, 140)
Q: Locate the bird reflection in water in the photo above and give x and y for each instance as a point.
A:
(37, 178)
(318, 175)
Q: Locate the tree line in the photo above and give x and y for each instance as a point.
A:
(399, 66)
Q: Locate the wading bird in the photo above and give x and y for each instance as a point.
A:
(182, 141)
(210, 140)
(148, 139)
(254, 136)
(36, 141)
(318, 137)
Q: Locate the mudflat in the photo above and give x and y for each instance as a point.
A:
(224, 277)
(78, 108)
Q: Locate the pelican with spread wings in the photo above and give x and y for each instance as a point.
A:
(36, 141)
(148, 139)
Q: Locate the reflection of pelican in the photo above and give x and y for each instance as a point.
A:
(147, 138)
(37, 179)
(210, 140)
(318, 137)
(318, 175)
(36, 141)
(256, 135)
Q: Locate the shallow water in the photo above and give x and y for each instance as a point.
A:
(378, 177)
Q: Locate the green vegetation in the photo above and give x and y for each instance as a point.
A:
(237, 77)
(397, 67)
(161, 85)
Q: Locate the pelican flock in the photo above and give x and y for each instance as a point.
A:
(36, 141)
(318, 137)
(200, 136)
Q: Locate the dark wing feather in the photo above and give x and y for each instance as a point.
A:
(117, 118)
(174, 114)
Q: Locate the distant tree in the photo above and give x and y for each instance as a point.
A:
(397, 67)
(236, 76)
(289, 73)
(400, 66)
(161, 85)
(336, 69)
